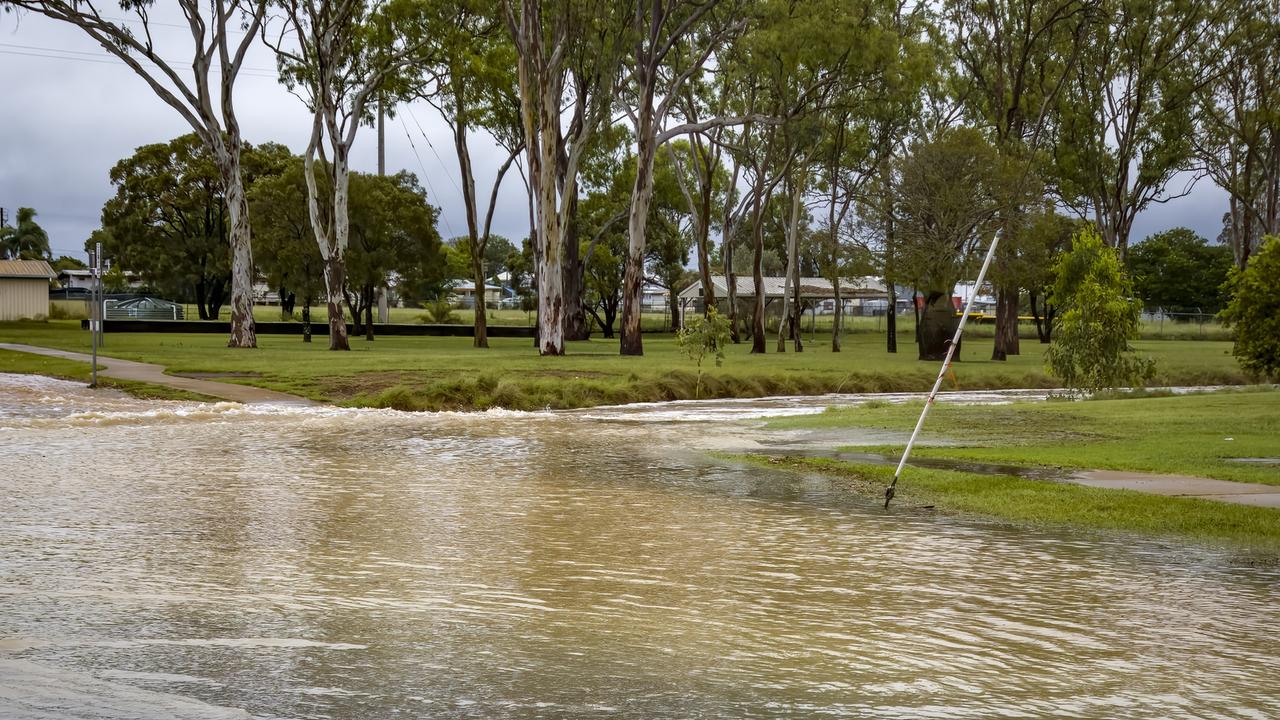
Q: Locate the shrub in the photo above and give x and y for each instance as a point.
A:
(439, 311)
(703, 336)
(1254, 311)
(1091, 350)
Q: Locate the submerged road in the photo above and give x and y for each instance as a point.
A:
(155, 374)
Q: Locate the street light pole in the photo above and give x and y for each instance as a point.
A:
(95, 295)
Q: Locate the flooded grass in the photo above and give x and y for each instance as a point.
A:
(1030, 503)
(1198, 435)
(1195, 435)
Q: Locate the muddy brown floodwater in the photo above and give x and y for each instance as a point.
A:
(162, 560)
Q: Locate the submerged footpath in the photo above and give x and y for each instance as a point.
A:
(154, 374)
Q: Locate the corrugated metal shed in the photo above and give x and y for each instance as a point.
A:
(26, 269)
(24, 289)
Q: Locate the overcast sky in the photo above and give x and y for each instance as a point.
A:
(71, 112)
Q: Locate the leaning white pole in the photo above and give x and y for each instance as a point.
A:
(946, 364)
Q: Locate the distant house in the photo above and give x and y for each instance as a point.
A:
(24, 289)
(464, 293)
(83, 279)
(653, 298)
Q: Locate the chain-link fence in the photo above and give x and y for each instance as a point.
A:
(1158, 322)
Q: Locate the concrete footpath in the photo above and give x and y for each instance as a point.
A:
(1182, 486)
(155, 375)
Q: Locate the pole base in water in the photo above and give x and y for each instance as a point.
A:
(888, 495)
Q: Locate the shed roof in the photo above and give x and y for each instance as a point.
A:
(26, 269)
(811, 288)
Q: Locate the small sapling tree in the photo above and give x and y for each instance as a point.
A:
(1099, 317)
(1254, 311)
(702, 336)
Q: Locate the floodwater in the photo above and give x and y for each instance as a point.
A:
(183, 560)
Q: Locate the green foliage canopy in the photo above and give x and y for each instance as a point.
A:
(1179, 271)
(1099, 318)
(1254, 310)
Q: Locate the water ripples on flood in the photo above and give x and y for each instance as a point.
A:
(327, 563)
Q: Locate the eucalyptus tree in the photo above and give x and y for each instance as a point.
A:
(708, 190)
(701, 178)
(593, 75)
(840, 176)
(168, 219)
(1014, 58)
(287, 252)
(896, 107)
(203, 97)
(1238, 117)
(547, 36)
(797, 55)
(949, 191)
(337, 56)
(672, 40)
(472, 84)
(393, 231)
(1124, 125)
(869, 110)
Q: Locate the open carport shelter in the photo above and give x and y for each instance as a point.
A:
(814, 291)
(24, 289)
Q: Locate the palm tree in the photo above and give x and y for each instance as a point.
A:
(26, 240)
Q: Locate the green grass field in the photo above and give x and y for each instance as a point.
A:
(429, 373)
(1190, 435)
(1196, 434)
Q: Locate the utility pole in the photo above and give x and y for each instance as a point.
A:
(382, 136)
(383, 312)
(4, 219)
(95, 293)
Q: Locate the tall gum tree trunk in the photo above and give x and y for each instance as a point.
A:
(1006, 342)
(575, 315)
(480, 330)
(551, 270)
(891, 317)
(757, 276)
(480, 337)
(368, 312)
(790, 314)
(730, 282)
(704, 267)
(335, 277)
(837, 322)
(641, 194)
(243, 332)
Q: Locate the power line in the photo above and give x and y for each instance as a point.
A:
(433, 151)
(157, 23)
(99, 58)
(425, 177)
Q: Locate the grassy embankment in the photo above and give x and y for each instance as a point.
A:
(1189, 435)
(429, 373)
